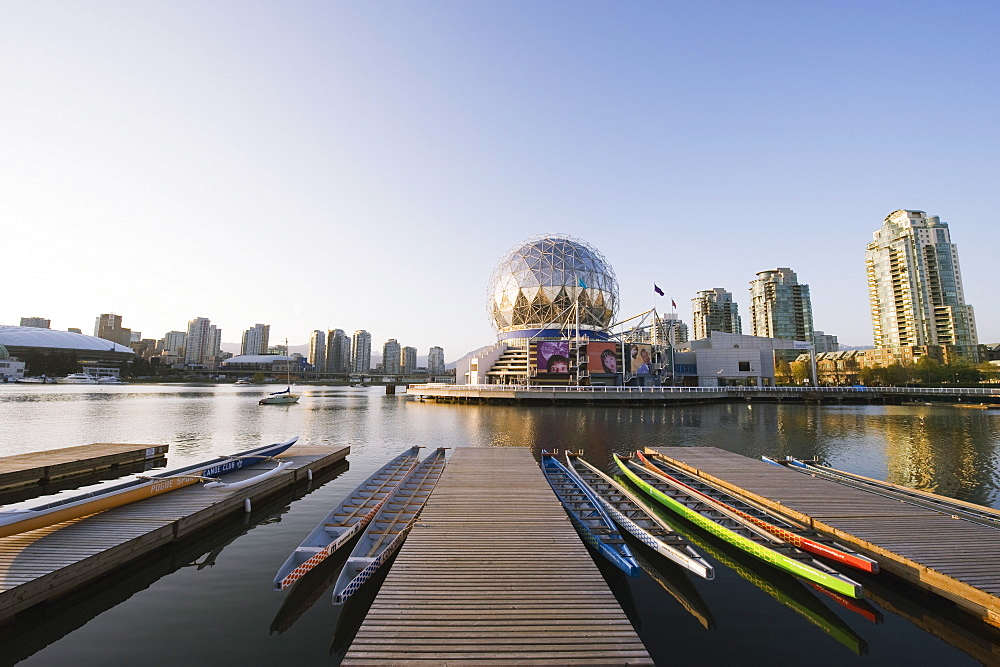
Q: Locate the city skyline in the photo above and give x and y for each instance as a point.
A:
(693, 146)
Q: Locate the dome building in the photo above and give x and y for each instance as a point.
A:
(95, 356)
(551, 300)
(540, 285)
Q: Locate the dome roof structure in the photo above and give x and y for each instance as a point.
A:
(537, 284)
(35, 337)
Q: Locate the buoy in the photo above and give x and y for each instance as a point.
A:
(246, 505)
(309, 474)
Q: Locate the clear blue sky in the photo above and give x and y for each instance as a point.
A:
(365, 164)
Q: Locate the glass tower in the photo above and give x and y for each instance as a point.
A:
(780, 307)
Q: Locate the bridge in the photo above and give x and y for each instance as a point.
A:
(984, 398)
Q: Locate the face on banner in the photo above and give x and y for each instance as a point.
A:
(602, 357)
(640, 358)
(553, 356)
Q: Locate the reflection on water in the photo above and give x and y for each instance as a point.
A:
(228, 609)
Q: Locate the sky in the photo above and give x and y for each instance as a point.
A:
(363, 165)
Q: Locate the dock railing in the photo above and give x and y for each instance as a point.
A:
(739, 391)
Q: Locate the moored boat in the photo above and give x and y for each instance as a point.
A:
(346, 520)
(77, 378)
(731, 528)
(629, 512)
(20, 520)
(587, 513)
(285, 397)
(387, 530)
(796, 535)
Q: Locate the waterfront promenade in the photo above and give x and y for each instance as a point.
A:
(508, 393)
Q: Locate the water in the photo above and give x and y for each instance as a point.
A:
(209, 599)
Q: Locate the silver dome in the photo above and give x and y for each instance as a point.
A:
(537, 282)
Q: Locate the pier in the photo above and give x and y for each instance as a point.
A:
(495, 573)
(47, 563)
(24, 476)
(950, 556)
(666, 395)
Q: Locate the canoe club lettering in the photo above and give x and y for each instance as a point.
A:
(219, 469)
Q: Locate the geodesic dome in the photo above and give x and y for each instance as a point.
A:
(538, 282)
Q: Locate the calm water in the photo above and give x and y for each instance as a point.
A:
(209, 600)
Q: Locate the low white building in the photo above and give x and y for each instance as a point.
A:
(727, 360)
(11, 370)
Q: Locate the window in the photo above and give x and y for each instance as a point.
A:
(745, 366)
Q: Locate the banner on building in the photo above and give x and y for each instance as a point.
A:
(640, 359)
(552, 356)
(602, 357)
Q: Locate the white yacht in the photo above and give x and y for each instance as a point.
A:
(77, 378)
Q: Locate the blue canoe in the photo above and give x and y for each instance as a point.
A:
(591, 521)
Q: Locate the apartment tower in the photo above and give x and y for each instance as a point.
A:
(780, 307)
(361, 352)
(715, 310)
(915, 286)
(338, 351)
(255, 340)
(317, 350)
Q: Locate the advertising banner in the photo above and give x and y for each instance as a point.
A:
(640, 359)
(553, 356)
(602, 357)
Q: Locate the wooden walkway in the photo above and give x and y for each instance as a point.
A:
(46, 563)
(954, 558)
(495, 573)
(36, 468)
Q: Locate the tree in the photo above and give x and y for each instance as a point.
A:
(929, 371)
(783, 371)
(800, 371)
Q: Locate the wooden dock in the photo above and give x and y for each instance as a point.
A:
(495, 573)
(43, 564)
(42, 468)
(954, 558)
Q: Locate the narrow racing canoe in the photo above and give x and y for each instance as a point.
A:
(387, 530)
(20, 520)
(346, 520)
(735, 530)
(587, 513)
(795, 534)
(629, 512)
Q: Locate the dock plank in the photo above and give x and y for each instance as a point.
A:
(469, 583)
(942, 553)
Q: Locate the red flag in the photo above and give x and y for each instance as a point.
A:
(673, 304)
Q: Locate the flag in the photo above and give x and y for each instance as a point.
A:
(583, 284)
(673, 304)
(657, 289)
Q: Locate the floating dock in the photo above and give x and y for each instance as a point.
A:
(47, 563)
(21, 472)
(950, 556)
(495, 573)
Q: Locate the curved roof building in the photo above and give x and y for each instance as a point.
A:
(539, 284)
(88, 350)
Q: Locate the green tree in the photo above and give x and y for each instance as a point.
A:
(800, 371)
(929, 371)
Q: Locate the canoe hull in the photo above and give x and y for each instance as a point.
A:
(47, 515)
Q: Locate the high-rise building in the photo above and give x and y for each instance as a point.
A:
(255, 340)
(715, 310)
(435, 360)
(361, 351)
(317, 350)
(338, 351)
(39, 322)
(109, 327)
(175, 342)
(780, 307)
(408, 360)
(672, 330)
(202, 340)
(915, 286)
(825, 342)
(390, 356)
